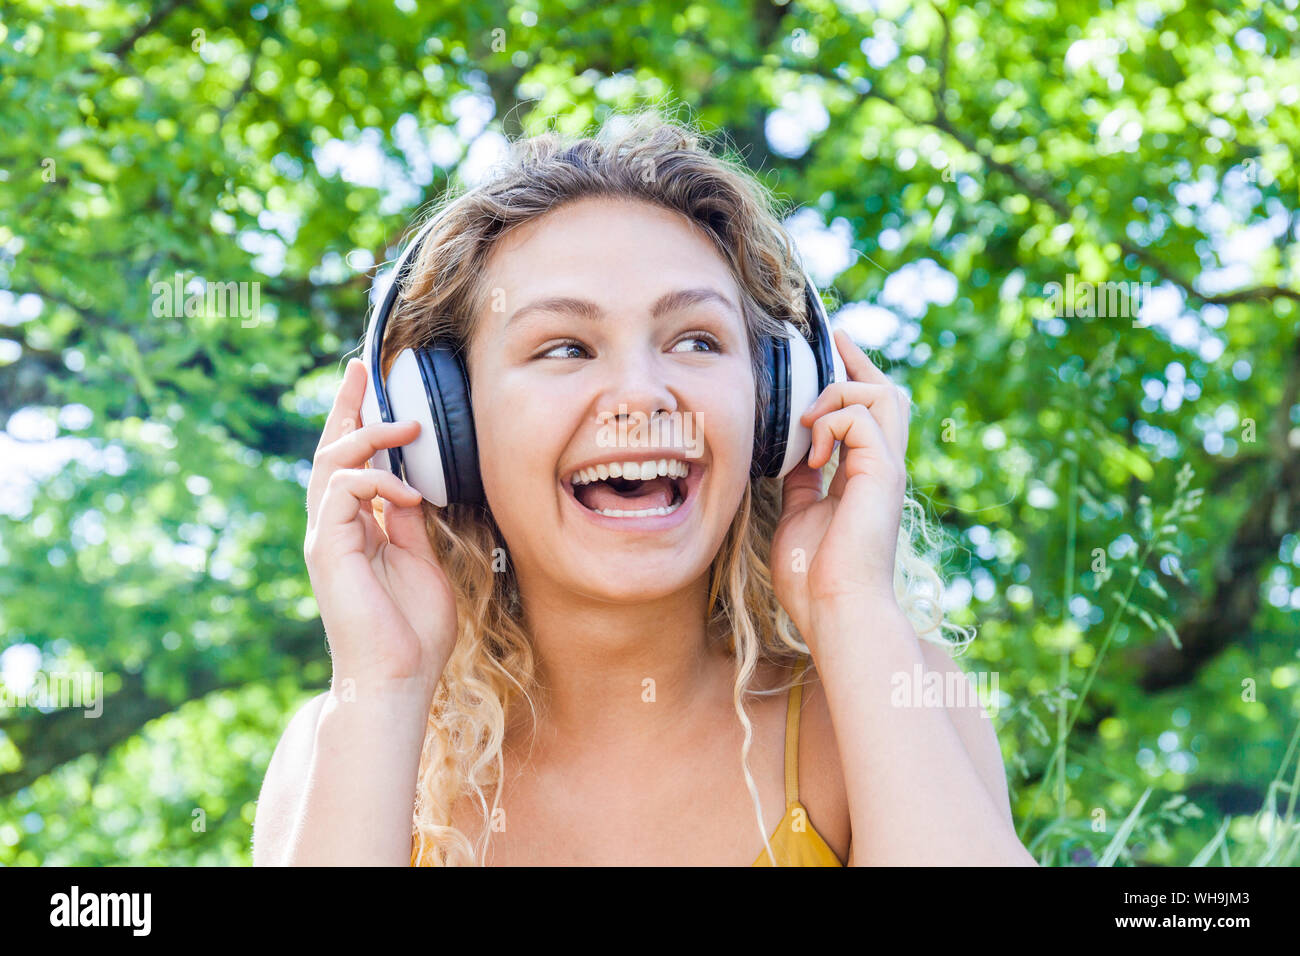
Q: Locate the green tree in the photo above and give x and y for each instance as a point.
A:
(1145, 636)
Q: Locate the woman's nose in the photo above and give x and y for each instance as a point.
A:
(635, 383)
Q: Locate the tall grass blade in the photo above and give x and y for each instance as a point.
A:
(1122, 834)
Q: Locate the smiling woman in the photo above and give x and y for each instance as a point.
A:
(626, 619)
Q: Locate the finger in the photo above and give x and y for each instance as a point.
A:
(884, 402)
(345, 413)
(405, 527)
(801, 488)
(905, 416)
(350, 488)
(856, 427)
(856, 363)
(344, 416)
(352, 450)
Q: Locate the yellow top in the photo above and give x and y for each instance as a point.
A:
(796, 841)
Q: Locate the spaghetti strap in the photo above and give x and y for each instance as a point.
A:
(792, 735)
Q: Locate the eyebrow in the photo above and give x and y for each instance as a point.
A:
(585, 309)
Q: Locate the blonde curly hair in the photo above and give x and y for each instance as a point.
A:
(654, 158)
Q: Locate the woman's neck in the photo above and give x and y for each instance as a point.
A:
(619, 676)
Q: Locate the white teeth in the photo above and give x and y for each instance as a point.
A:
(642, 471)
(647, 513)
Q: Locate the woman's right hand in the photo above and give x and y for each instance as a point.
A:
(388, 608)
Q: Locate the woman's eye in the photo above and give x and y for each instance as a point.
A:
(699, 337)
(561, 347)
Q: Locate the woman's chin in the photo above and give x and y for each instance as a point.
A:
(631, 579)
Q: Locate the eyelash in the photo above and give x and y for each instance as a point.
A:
(705, 336)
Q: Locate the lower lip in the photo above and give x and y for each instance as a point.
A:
(649, 523)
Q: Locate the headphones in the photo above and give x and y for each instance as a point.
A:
(430, 385)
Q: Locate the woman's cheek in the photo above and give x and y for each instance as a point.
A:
(735, 438)
(521, 442)
(502, 454)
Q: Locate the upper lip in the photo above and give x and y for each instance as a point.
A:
(641, 456)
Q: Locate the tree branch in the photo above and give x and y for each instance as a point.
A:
(150, 23)
(1043, 191)
(1226, 614)
(47, 741)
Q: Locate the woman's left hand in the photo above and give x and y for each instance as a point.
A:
(841, 548)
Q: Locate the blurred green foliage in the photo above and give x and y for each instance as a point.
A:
(1006, 145)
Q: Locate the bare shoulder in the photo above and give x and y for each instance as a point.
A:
(974, 725)
(282, 789)
(821, 778)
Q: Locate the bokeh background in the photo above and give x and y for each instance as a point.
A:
(1122, 495)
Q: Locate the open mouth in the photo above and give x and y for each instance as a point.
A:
(635, 489)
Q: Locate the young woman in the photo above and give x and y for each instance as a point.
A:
(550, 680)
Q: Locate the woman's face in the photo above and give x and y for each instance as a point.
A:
(601, 311)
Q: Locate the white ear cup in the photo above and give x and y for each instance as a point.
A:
(408, 400)
(803, 392)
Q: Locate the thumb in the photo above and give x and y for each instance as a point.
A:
(405, 527)
(801, 488)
